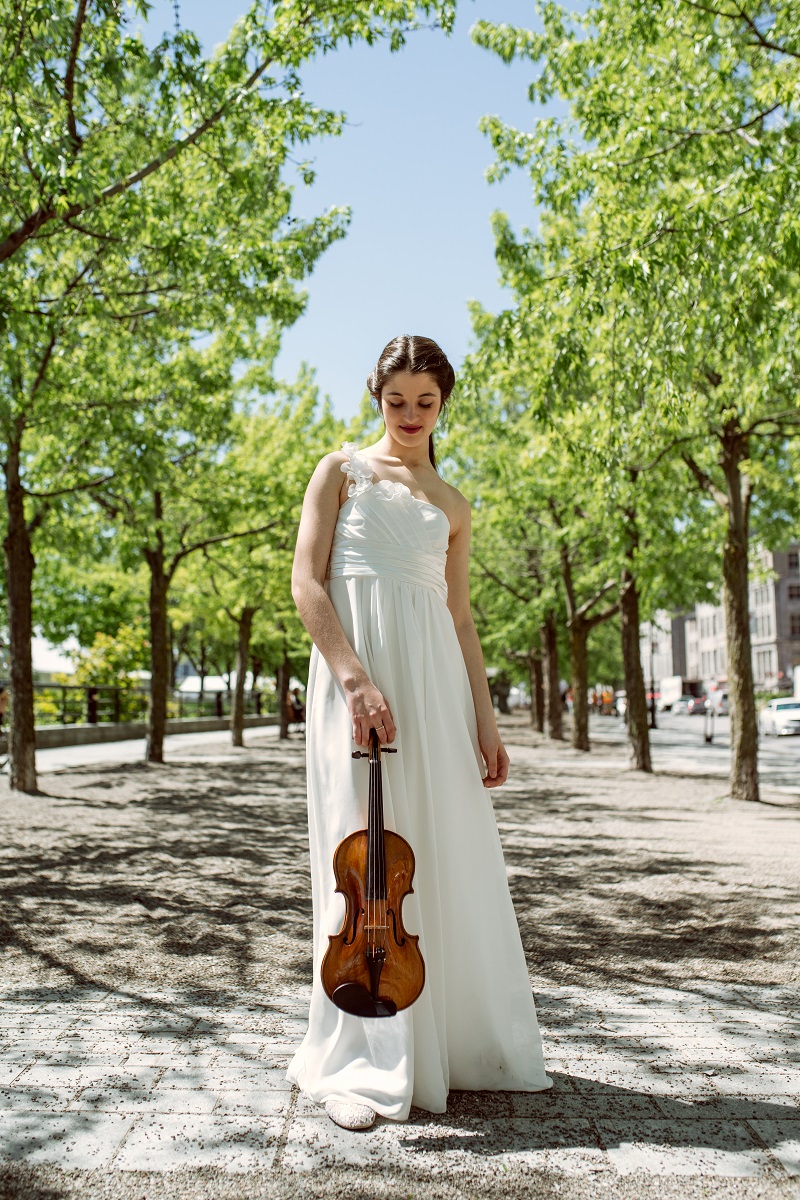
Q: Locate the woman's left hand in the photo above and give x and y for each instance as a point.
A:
(497, 760)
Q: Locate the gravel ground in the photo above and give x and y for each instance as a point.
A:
(193, 875)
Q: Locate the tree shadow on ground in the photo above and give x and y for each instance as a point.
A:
(197, 873)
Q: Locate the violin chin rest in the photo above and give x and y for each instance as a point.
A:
(354, 998)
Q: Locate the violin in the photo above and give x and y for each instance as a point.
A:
(373, 967)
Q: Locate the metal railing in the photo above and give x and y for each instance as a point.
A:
(73, 704)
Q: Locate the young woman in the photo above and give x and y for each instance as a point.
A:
(381, 582)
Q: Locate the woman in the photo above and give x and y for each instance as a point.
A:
(381, 582)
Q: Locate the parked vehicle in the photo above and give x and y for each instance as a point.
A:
(673, 689)
(717, 702)
(620, 703)
(681, 706)
(696, 706)
(780, 718)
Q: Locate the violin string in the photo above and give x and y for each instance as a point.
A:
(369, 857)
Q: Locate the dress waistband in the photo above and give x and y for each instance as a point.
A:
(420, 567)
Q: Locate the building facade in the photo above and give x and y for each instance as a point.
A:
(693, 645)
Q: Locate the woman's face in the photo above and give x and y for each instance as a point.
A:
(411, 402)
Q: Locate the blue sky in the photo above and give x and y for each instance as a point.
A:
(410, 166)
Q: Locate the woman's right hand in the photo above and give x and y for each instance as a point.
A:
(368, 709)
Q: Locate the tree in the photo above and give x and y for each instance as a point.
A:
(678, 155)
(145, 191)
(274, 453)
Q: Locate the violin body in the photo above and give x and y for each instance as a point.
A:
(373, 967)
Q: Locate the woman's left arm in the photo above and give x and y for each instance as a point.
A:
(457, 574)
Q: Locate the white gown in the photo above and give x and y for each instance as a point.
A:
(474, 1025)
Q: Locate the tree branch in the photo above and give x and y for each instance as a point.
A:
(68, 491)
(741, 15)
(648, 466)
(790, 417)
(605, 615)
(589, 604)
(33, 223)
(214, 541)
(501, 583)
(689, 134)
(704, 482)
(69, 77)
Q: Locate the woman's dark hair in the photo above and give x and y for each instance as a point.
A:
(409, 352)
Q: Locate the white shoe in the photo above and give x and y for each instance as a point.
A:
(350, 1116)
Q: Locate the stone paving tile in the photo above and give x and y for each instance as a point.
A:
(168, 1060)
(33, 1098)
(268, 1104)
(86, 1074)
(224, 1079)
(783, 1138)
(9, 1071)
(683, 1148)
(565, 1147)
(735, 1108)
(650, 1082)
(234, 1143)
(567, 1106)
(766, 1083)
(157, 1100)
(70, 1140)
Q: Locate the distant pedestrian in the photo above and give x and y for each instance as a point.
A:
(297, 708)
(3, 705)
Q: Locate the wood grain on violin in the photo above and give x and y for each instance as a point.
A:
(373, 967)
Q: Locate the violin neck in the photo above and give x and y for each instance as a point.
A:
(376, 852)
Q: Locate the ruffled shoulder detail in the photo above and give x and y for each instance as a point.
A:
(357, 469)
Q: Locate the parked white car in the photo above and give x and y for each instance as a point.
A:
(718, 701)
(780, 718)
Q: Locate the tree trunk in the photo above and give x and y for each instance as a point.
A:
(282, 688)
(20, 565)
(159, 645)
(744, 728)
(578, 638)
(550, 679)
(537, 690)
(636, 696)
(245, 625)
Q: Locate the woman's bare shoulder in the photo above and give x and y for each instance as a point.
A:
(329, 477)
(331, 463)
(458, 500)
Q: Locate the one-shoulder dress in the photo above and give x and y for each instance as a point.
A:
(474, 1026)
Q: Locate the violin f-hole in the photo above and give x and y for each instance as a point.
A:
(399, 941)
(357, 912)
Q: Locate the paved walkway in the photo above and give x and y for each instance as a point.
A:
(700, 1081)
(156, 982)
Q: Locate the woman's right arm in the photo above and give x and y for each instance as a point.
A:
(365, 703)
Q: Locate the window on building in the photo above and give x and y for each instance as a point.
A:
(794, 591)
(794, 560)
(794, 625)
